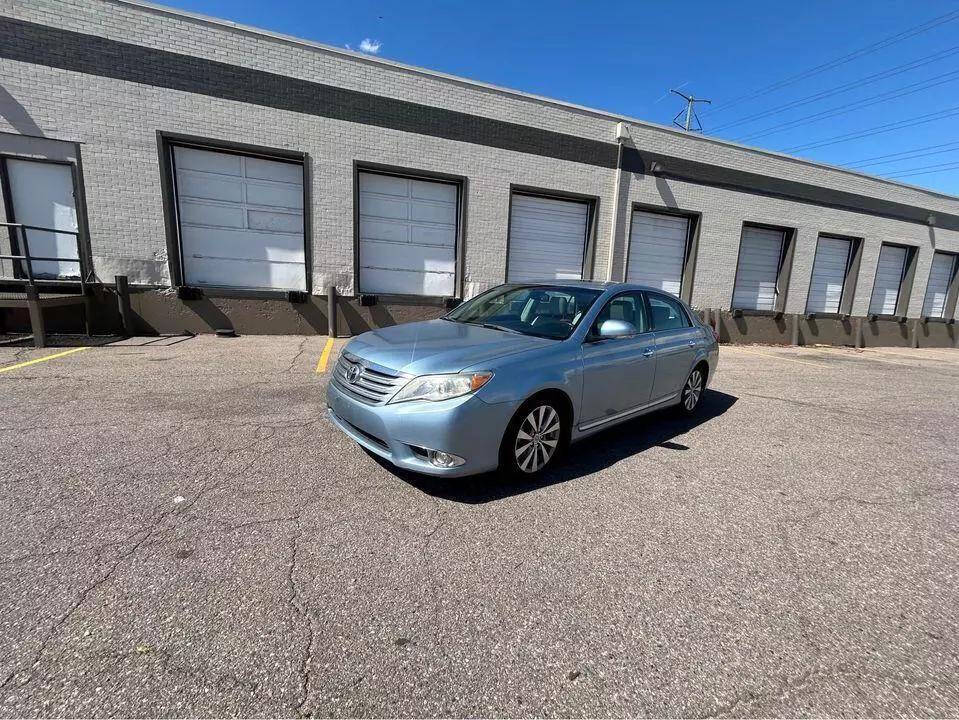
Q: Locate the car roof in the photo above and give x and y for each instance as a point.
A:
(592, 284)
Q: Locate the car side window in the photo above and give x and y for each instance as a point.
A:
(667, 314)
(626, 306)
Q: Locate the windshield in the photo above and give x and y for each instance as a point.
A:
(540, 310)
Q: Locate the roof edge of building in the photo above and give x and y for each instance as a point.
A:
(562, 104)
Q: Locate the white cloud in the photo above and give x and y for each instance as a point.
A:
(370, 46)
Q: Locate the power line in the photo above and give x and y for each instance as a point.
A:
(877, 130)
(839, 89)
(911, 157)
(869, 161)
(857, 105)
(849, 57)
(925, 171)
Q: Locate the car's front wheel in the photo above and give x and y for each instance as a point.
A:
(534, 438)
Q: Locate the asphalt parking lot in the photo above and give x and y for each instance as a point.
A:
(183, 533)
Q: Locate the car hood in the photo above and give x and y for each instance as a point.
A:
(438, 346)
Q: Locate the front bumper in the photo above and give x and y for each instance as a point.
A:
(465, 426)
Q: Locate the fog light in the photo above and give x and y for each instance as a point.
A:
(443, 459)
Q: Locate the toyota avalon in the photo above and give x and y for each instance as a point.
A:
(510, 378)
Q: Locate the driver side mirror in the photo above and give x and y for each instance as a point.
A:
(615, 329)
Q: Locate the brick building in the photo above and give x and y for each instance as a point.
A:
(233, 175)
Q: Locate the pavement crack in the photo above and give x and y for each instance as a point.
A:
(434, 586)
(300, 610)
(747, 697)
(860, 417)
(81, 598)
(298, 354)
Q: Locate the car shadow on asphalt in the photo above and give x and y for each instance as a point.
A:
(600, 451)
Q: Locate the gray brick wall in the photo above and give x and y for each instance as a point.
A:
(724, 211)
(117, 121)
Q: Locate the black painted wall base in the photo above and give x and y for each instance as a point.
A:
(853, 331)
(162, 312)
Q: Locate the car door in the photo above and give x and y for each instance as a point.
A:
(618, 372)
(677, 340)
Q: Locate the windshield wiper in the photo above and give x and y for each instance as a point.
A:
(491, 326)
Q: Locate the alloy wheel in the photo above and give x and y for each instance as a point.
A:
(537, 438)
(693, 389)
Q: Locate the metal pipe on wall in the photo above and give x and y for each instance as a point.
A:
(614, 225)
(331, 311)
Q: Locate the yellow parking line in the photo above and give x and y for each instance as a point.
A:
(43, 359)
(325, 356)
(780, 357)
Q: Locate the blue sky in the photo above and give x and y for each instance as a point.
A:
(623, 57)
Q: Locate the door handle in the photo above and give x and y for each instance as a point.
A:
(692, 343)
(648, 352)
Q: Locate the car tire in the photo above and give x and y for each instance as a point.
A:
(534, 438)
(692, 393)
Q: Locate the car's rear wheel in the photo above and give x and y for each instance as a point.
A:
(534, 438)
(693, 390)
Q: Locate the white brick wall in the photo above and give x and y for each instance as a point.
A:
(117, 123)
(724, 211)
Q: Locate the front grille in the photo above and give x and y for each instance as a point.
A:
(373, 386)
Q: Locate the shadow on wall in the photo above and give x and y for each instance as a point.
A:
(901, 329)
(666, 194)
(210, 314)
(15, 114)
(756, 328)
(742, 324)
(379, 317)
(584, 458)
(929, 330)
(812, 327)
(313, 316)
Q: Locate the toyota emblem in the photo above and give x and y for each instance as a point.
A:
(353, 374)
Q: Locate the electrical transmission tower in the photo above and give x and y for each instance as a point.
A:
(689, 112)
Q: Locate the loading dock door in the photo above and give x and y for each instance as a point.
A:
(885, 291)
(657, 249)
(42, 196)
(828, 275)
(758, 272)
(407, 235)
(940, 277)
(241, 220)
(547, 239)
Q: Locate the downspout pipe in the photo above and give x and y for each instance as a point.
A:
(621, 135)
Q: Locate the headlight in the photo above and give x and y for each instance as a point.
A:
(441, 387)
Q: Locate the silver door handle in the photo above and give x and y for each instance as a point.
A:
(648, 352)
(692, 343)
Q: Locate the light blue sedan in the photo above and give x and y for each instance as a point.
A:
(512, 377)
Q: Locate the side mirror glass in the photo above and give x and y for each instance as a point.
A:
(616, 329)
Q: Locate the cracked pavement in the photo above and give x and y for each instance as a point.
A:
(184, 534)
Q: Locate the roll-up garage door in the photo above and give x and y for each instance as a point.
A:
(828, 274)
(407, 235)
(547, 239)
(241, 220)
(885, 291)
(759, 255)
(940, 277)
(657, 248)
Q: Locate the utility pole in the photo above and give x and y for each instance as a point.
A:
(690, 112)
